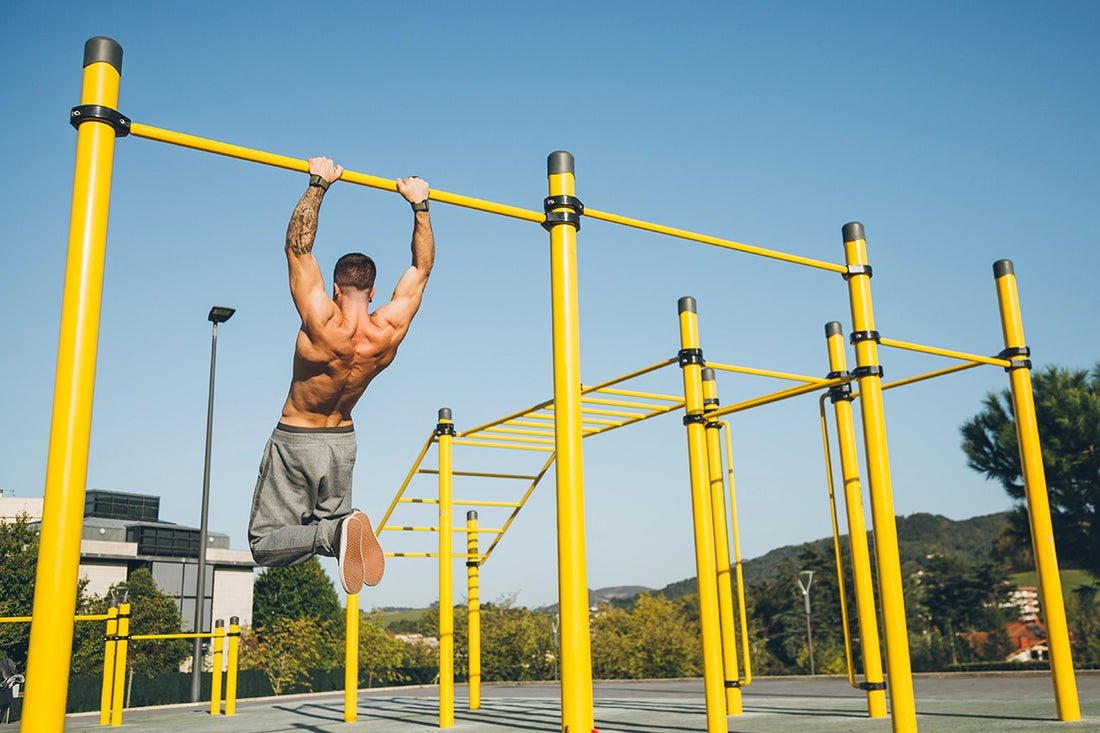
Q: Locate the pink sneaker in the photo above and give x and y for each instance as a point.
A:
(350, 555)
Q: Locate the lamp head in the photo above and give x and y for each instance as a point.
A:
(219, 314)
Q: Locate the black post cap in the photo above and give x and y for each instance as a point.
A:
(1002, 268)
(471, 516)
(102, 48)
(220, 623)
(234, 620)
(686, 304)
(853, 230)
(707, 374)
(559, 161)
(444, 413)
(832, 328)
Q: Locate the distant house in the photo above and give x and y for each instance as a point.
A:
(1030, 640)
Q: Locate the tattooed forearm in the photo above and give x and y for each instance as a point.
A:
(302, 229)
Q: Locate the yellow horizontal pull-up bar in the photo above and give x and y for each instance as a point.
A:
(993, 360)
(302, 166)
(705, 239)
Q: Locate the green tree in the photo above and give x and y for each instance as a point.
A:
(381, 656)
(1067, 411)
(1083, 616)
(297, 592)
(152, 612)
(655, 638)
(959, 598)
(285, 649)
(18, 558)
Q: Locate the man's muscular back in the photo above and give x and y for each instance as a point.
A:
(342, 346)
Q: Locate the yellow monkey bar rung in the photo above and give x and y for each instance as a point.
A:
(489, 444)
(481, 474)
(777, 396)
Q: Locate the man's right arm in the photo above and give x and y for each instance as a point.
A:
(409, 291)
(307, 285)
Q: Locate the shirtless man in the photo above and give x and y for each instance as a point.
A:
(302, 503)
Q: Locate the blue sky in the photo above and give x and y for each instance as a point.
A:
(959, 134)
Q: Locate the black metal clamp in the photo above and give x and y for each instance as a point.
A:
(868, 686)
(839, 392)
(690, 356)
(88, 112)
(553, 218)
(859, 270)
(1016, 351)
(867, 371)
(857, 336)
(445, 428)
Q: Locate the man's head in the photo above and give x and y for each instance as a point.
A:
(354, 272)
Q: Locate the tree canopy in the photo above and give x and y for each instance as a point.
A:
(1067, 411)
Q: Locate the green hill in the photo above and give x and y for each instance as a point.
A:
(919, 535)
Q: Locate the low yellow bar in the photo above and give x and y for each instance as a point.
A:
(302, 166)
(766, 373)
(705, 239)
(993, 360)
(351, 659)
(216, 668)
(158, 637)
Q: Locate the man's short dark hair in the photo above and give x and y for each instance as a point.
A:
(354, 270)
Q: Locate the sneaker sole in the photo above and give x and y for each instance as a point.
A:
(374, 560)
(351, 554)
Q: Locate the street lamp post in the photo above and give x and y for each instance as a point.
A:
(809, 575)
(217, 315)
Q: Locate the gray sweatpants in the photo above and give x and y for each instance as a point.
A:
(302, 493)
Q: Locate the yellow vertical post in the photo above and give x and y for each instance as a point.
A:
(108, 663)
(862, 580)
(1051, 602)
(563, 212)
(691, 363)
(51, 634)
(473, 610)
(445, 431)
(216, 668)
(121, 647)
(722, 545)
(351, 659)
(869, 375)
(231, 666)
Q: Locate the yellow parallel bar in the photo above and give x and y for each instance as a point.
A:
(473, 613)
(302, 166)
(713, 683)
(51, 633)
(717, 484)
(891, 592)
(160, 637)
(862, 579)
(408, 478)
(993, 360)
(705, 239)
(1035, 491)
(506, 504)
(742, 614)
(419, 501)
(576, 651)
(231, 671)
(216, 668)
(351, 659)
(766, 373)
(108, 664)
(445, 436)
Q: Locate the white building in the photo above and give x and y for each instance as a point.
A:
(123, 532)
